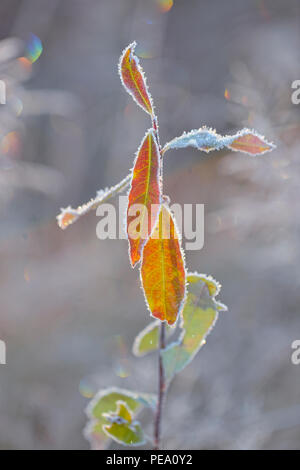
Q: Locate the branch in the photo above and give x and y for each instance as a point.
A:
(69, 215)
(161, 390)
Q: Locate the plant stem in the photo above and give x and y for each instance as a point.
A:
(161, 389)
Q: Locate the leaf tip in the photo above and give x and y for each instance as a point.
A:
(66, 217)
(249, 141)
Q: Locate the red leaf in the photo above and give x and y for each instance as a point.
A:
(252, 143)
(133, 79)
(145, 192)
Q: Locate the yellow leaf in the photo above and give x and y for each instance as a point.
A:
(163, 271)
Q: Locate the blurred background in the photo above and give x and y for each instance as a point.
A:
(70, 303)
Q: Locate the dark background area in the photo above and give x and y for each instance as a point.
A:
(70, 303)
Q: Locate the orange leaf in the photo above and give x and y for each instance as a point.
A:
(162, 271)
(206, 139)
(132, 77)
(251, 143)
(144, 196)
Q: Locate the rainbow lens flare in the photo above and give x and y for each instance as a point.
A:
(144, 52)
(34, 48)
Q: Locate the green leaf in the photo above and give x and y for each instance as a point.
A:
(103, 403)
(147, 340)
(122, 428)
(199, 315)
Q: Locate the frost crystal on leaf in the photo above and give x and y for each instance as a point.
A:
(101, 412)
(162, 270)
(122, 428)
(206, 139)
(134, 80)
(145, 195)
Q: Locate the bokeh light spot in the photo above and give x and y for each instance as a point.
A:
(227, 94)
(25, 63)
(165, 5)
(11, 144)
(121, 371)
(17, 106)
(87, 388)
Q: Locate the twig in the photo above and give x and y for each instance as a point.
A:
(161, 390)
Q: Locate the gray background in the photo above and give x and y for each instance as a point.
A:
(70, 304)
